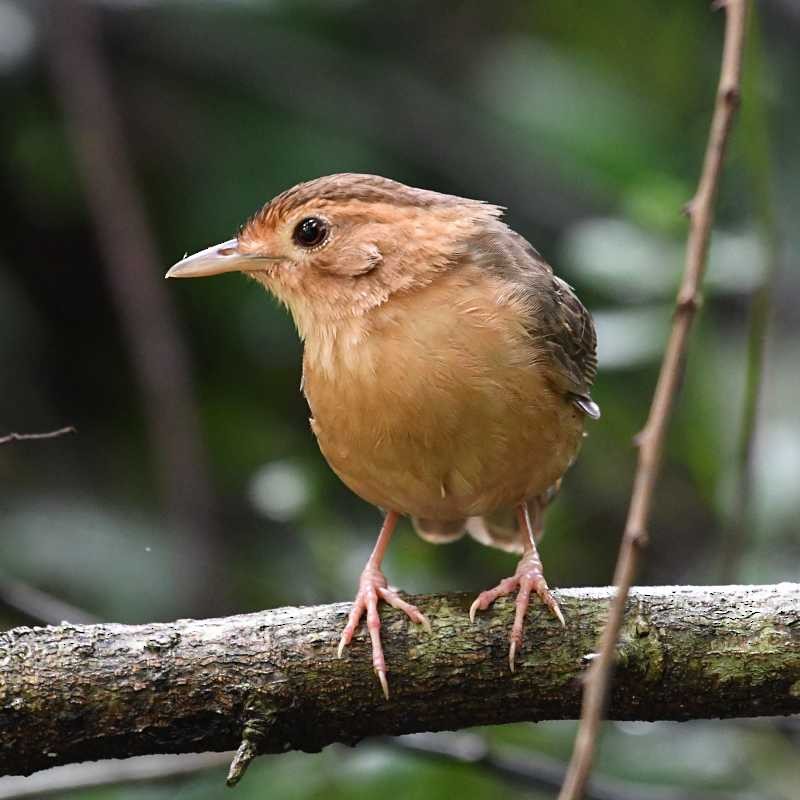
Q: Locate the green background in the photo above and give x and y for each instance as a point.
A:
(588, 121)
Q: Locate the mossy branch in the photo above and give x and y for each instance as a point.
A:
(78, 692)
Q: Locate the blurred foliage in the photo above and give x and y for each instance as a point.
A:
(588, 122)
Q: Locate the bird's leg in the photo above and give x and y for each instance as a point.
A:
(373, 587)
(528, 576)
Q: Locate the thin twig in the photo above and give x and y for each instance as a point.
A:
(651, 440)
(26, 437)
(133, 267)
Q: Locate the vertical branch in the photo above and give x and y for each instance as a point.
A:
(134, 269)
(755, 121)
(651, 439)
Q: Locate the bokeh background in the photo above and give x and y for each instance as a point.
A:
(132, 132)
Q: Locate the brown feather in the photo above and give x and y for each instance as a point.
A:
(447, 368)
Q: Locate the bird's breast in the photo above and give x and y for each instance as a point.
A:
(437, 405)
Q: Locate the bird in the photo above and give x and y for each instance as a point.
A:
(446, 367)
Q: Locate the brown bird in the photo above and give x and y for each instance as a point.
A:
(446, 367)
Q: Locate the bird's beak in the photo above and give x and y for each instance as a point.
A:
(224, 257)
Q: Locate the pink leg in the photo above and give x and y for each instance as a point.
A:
(371, 587)
(528, 576)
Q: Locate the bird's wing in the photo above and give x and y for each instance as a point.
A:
(556, 319)
(570, 337)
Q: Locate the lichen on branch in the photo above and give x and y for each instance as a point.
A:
(77, 692)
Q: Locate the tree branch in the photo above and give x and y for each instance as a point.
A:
(72, 693)
(651, 439)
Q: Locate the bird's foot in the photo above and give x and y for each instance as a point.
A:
(372, 588)
(528, 577)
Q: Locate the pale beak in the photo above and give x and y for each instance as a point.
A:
(219, 258)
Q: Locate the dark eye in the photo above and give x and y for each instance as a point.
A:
(310, 232)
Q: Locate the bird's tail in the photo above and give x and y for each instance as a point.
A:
(495, 530)
(440, 531)
(498, 529)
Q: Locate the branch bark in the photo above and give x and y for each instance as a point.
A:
(272, 680)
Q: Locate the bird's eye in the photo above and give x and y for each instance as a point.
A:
(310, 232)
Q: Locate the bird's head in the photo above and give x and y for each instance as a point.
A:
(336, 247)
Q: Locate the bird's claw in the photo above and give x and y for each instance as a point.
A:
(512, 652)
(528, 578)
(383, 682)
(556, 610)
(373, 588)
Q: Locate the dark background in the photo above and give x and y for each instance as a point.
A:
(193, 485)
